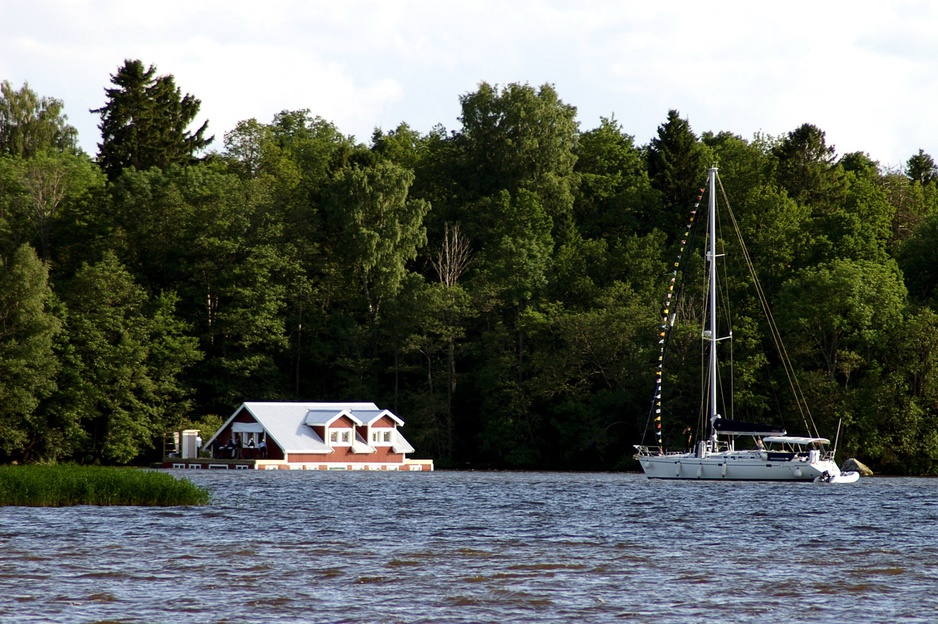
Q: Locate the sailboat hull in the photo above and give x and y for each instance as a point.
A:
(734, 466)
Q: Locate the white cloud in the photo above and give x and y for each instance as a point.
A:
(240, 81)
(861, 71)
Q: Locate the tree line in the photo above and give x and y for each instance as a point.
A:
(499, 285)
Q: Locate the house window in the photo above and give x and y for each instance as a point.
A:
(382, 436)
(340, 436)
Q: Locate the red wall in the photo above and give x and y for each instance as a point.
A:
(345, 454)
(384, 421)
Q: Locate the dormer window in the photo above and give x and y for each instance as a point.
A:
(340, 436)
(382, 437)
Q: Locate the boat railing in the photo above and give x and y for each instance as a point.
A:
(647, 451)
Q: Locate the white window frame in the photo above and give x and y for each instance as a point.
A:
(341, 436)
(382, 436)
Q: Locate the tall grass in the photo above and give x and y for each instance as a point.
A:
(65, 485)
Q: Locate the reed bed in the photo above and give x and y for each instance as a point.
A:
(66, 485)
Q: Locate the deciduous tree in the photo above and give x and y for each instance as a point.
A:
(378, 228)
(614, 194)
(30, 124)
(520, 138)
(28, 365)
(129, 356)
(49, 180)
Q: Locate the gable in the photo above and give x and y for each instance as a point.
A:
(371, 417)
(342, 422)
(384, 422)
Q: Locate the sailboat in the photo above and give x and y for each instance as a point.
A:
(770, 454)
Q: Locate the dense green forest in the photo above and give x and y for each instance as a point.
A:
(499, 286)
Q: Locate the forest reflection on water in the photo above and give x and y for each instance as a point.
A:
(480, 547)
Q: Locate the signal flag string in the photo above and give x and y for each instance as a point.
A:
(668, 317)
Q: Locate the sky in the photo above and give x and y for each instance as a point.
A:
(865, 72)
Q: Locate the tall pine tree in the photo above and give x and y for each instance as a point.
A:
(144, 123)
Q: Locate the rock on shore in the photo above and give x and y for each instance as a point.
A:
(855, 464)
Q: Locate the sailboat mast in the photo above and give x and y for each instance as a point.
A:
(712, 303)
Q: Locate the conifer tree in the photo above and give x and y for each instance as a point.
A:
(144, 123)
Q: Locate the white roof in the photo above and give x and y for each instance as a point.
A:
(795, 440)
(289, 423)
(400, 444)
(325, 417)
(360, 446)
(283, 422)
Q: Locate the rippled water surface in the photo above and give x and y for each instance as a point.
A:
(481, 547)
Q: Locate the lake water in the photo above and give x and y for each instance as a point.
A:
(481, 547)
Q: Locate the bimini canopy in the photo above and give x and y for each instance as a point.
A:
(737, 427)
(795, 440)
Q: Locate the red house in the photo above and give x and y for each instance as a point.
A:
(307, 436)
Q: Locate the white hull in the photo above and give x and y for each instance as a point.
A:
(846, 477)
(734, 466)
